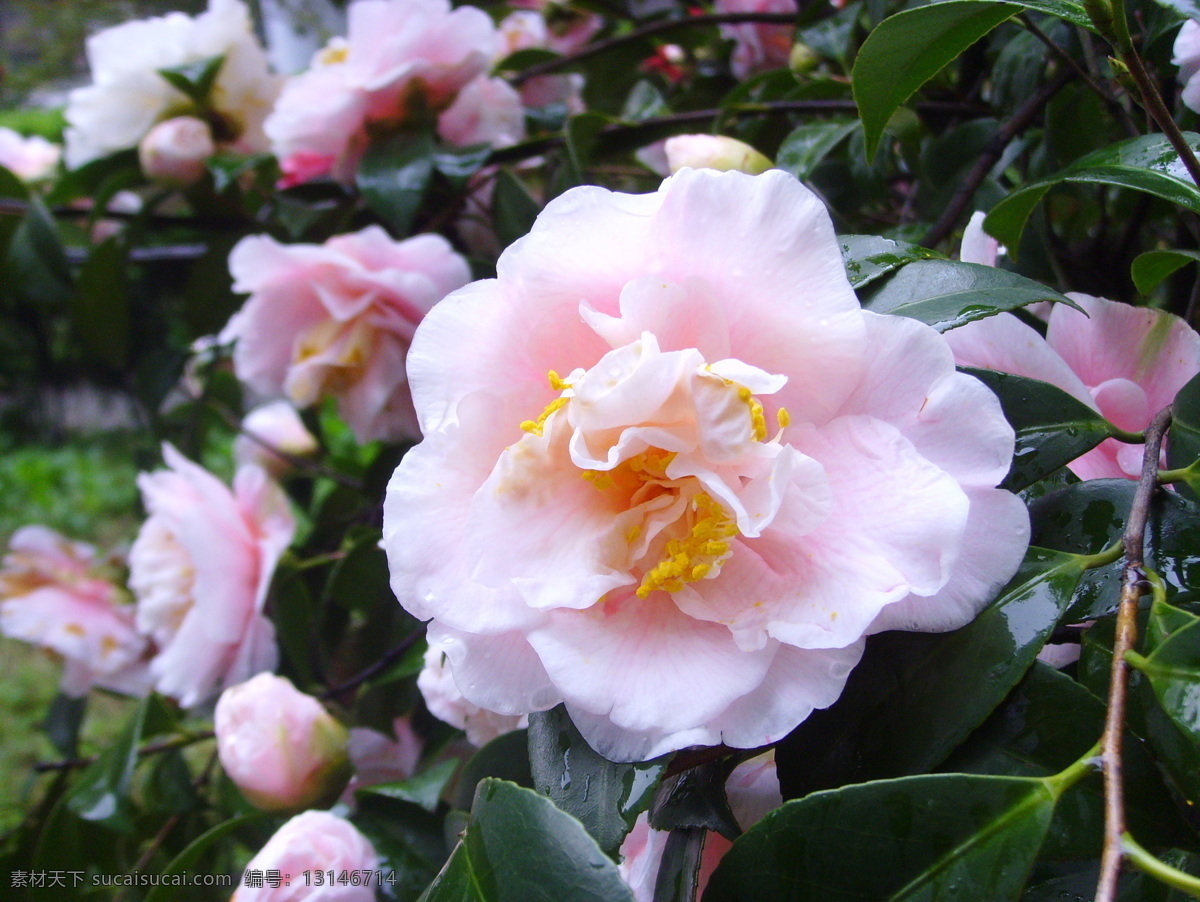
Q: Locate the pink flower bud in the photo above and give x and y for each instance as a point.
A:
(714, 152)
(281, 747)
(175, 152)
(313, 841)
(271, 426)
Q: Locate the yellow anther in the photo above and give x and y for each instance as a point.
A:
(538, 426)
(632, 535)
(758, 420)
(557, 382)
(783, 417)
(695, 557)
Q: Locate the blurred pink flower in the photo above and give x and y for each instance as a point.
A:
(29, 159)
(176, 152)
(335, 320)
(1187, 58)
(977, 245)
(486, 111)
(738, 475)
(399, 57)
(1125, 362)
(52, 594)
(377, 758)
(281, 748)
(313, 841)
(445, 701)
(752, 790)
(200, 569)
(276, 424)
(758, 46)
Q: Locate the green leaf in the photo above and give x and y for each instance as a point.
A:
(169, 788)
(695, 798)
(193, 852)
(423, 789)
(1183, 445)
(946, 837)
(36, 266)
(946, 294)
(101, 793)
(506, 758)
(604, 796)
(1173, 669)
(915, 696)
(63, 722)
(409, 839)
(908, 49)
(513, 208)
(1052, 427)
(1189, 9)
(520, 848)
(100, 311)
(1150, 268)
(11, 186)
(393, 176)
(809, 144)
(458, 164)
(1147, 163)
(869, 257)
(582, 133)
(194, 80)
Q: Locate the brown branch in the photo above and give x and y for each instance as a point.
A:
(389, 657)
(153, 748)
(1132, 588)
(646, 31)
(990, 155)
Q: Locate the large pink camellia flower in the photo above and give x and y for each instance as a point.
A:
(1125, 362)
(52, 594)
(336, 319)
(673, 473)
(398, 57)
(200, 569)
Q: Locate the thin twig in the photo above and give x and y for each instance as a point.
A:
(1159, 113)
(646, 31)
(389, 657)
(990, 155)
(153, 748)
(1132, 588)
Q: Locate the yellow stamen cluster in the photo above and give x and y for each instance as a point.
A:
(694, 557)
(538, 426)
(630, 475)
(758, 421)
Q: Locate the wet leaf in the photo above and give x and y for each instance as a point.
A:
(1183, 441)
(868, 257)
(1150, 268)
(808, 144)
(393, 176)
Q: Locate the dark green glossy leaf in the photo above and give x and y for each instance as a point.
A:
(523, 59)
(409, 839)
(695, 798)
(1173, 669)
(393, 176)
(506, 758)
(100, 309)
(869, 257)
(194, 852)
(360, 578)
(1150, 268)
(1189, 9)
(423, 789)
(582, 133)
(168, 788)
(195, 79)
(604, 796)
(915, 696)
(101, 793)
(908, 49)
(946, 294)
(36, 266)
(947, 837)
(458, 164)
(520, 848)
(1148, 164)
(1046, 724)
(1052, 427)
(11, 186)
(809, 144)
(87, 178)
(63, 721)
(1183, 442)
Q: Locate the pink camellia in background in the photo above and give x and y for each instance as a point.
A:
(284, 751)
(200, 569)
(758, 46)
(445, 701)
(29, 159)
(274, 426)
(1126, 362)
(53, 595)
(128, 95)
(666, 449)
(378, 758)
(399, 58)
(1187, 58)
(752, 790)
(313, 841)
(335, 320)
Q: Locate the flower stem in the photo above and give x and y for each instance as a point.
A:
(1159, 870)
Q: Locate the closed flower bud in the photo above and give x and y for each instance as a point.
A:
(803, 58)
(714, 152)
(272, 427)
(176, 152)
(281, 747)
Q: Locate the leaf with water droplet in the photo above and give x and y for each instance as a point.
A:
(870, 257)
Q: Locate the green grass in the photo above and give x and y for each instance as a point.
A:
(86, 490)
